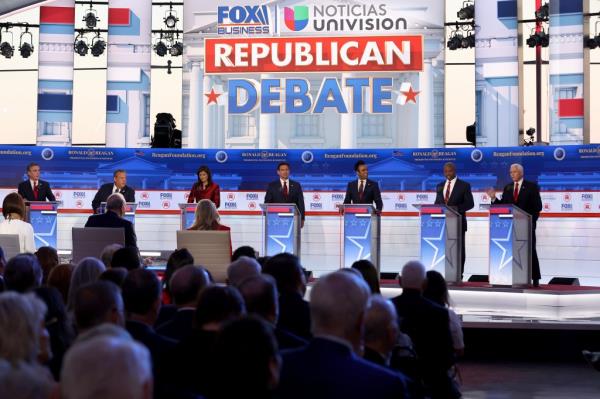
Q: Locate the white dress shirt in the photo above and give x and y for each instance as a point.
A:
(23, 229)
(364, 184)
(116, 189)
(287, 182)
(452, 183)
(33, 183)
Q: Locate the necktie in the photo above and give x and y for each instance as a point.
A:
(447, 196)
(361, 190)
(516, 193)
(35, 191)
(285, 191)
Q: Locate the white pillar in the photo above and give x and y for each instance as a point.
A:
(348, 131)
(196, 109)
(206, 112)
(425, 100)
(267, 127)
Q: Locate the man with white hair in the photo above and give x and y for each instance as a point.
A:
(107, 367)
(242, 269)
(428, 326)
(113, 217)
(381, 331)
(526, 195)
(329, 366)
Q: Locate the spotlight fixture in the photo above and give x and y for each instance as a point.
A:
(161, 48)
(593, 42)
(91, 18)
(26, 48)
(171, 19)
(455, 41)
(539, 39)
(529, 137)
(467, 12)
(176, 49)
(543, 13)
(6, 49)
(468, 41)
(98, 46)
(81, 45)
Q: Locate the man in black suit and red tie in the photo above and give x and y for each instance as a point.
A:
(362, 190)
(285, 190)
(34, 189)
(456, 194)
(119, 185)
(526, 195)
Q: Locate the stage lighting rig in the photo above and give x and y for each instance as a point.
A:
(540, 38)
(6, 48)
(467, 11)
(81, 45)
(176, 49)
(543, 13)
(529, 137)
(593, 42)
(463, 34)
(171, 18)
(26, 47)
(98, 45)
(161, 47)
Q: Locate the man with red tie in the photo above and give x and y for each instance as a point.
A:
(363, 190)
(285, 190)
(34, 189)
(456, 194)
(526, 195)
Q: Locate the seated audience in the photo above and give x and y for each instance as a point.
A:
(23, 273)
(261, 299)
(60, 278)
(48, 258)
(13, 210)
(329, 366)
(381, 331)
(113, 217)
(294, 313)
(25, 381)
(87, 270)
(115, 275)
(241, 269)
(108, 252)
(126, 257)
(103, 367)
(97, 303)
(244, 250)
(428, 326)
(369, 273)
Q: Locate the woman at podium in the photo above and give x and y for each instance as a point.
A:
(13, 210)
(205, 188)
(207, 218)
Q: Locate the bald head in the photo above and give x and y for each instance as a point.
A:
(116, 203)
(381, 321)
(413, 275)
(186, 284)
(243, 268)
(260, 295)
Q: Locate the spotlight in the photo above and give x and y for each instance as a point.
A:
(171, 20)
(543, 12)
(90, 19)
(98, 46)
(529, 137)
(468, 41)
(538, 39)
(81, 47)
(7, 50)
(176, 49)
(161, 49)
(26, 48)
(530, 132)
(471, 133)
(455, 41)
(593, 42)
(467, 12)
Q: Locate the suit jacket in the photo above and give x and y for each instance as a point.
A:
(529, 198)
(461, 198)
(374, 357)
(287, 340)
(294, 315)
(371, 194)
(158, 345)
(180, 326)
(329, 369)
(274, 195)
(106, 190)
(111, 219)
(44, 191)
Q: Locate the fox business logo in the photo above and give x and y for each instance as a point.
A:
(422, 197)
(316, 205)
(566, 207)
(400, 207)
(587, 197)
(230, 205)
(144, 204)
(166, 196)
(243, 20)
(78, 194)
(251, 196)
(337, 197)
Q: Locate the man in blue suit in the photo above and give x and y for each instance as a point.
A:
(362, 190)
(115, 209)
(329, 366)
(285, 190)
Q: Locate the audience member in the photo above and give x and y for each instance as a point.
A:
(48, 258)
(96, 303)
(260, 296)
(25, 381)
(241, 269)
(428, 326)
(114, 217)
(87, 270)
(381, 331)
(2, 265)
(115, 275)
(369, 273)
(244, 250)
(107, 254)
(60, 278)
(126, 257)
(329, 366)
(23, 273)
(13, 210)
(178, 259)
(207, 217)
(294, 313)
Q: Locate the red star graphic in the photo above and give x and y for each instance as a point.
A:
(411, 95)
(212, 96)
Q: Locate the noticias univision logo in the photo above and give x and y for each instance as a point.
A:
(243, 20)
(296, 18)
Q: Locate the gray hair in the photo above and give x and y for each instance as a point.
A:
(21, 318)
(24, 380)
(413, 275)
(518, 166)
(106, 367)
(108, 252)
(337, 303)
(380, 315)
(242, 269)
(115, 202)
(87, 271)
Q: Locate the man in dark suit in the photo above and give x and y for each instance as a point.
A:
(115, 209)
(329, 366)
(526, 195)
(363, 190)
(119, 185)
(428, 326)
(34, 189)
(285, 190)
(456, 194)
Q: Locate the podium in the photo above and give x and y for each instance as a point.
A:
(281, 229)
(130, 208)
(188, 215)
(361, 234)
(510, 246)
(43, 217)
(441, 240)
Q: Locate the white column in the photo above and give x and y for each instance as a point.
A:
(348, 131)
(425, 100)
(267, 127)
(196, 111)
(206, 112)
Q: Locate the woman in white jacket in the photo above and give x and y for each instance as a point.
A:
(13, 210)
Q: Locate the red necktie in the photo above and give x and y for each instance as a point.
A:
(447, 196)
(35, 191)
(285, 191)
(361, 190)
(516, 193)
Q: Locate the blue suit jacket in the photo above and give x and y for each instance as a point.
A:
(111, 219)
(274, 195)
(371, 193)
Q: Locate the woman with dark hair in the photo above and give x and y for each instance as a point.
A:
(205, 188)
(13, 210)
(369, 273)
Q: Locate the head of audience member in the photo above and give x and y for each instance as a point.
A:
(413, 276)
(60, 278)
(23, 335)
(115, 275)
(120, 178)
(107, 367)
(244, 250)
(436, 289)
(25, 381)
(288, 273)
(242, 269)
(87, 270)
(178, 259)
(141, 295)
(206, 216)
(247, 354)
(96, 303)
(23, 273)
(369, 273)
(216, 306)
(262, 260)
(48, 258)
(381, 326)
(127, 257)
(108, 252)
(13, 207)
(116, 203)
(57, 321)
(260, 297)
(338, 302)
(186, 284)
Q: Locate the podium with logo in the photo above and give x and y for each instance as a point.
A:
(43, 217)
(441, 240)
(282, 223)
(361, 234)
(510, 246)
(130, 208)
(187, 215)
